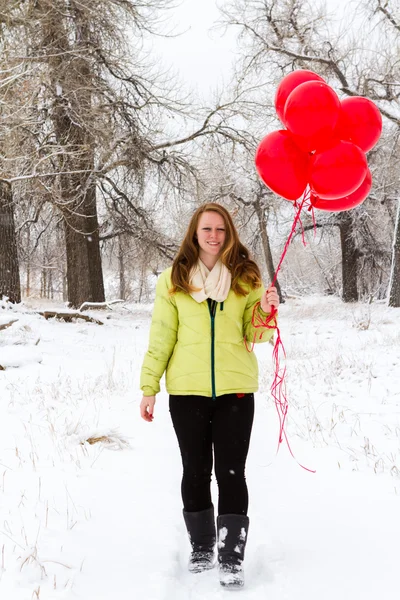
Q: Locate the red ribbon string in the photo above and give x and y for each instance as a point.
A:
(278, 387)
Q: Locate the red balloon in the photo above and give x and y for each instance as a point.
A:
(359, 122)
(288, 84)
(338, 171)
(311, 146)
(282, 166)
(346, 203)
(312, 112)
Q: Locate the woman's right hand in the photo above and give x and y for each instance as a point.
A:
(147, 408)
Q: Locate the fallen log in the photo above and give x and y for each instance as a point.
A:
(6, 325)
(100, 305)
(68, 316)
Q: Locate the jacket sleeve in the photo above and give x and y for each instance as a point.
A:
(259, 334)
(163, 336)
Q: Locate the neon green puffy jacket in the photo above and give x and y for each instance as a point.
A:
(202, 354)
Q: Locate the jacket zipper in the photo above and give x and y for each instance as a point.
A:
(212, 305)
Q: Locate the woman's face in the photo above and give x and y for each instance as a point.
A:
(211, 234)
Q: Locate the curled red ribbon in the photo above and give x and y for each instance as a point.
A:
(278, 387)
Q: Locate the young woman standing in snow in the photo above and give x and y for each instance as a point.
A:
(203, 311)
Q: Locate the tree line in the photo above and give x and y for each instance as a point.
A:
(103, 155)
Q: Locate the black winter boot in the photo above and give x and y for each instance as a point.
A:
(201, 529)
(232, 538)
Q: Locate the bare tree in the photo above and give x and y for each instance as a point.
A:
(10, 75)
(394, 288)
(96, 123)
(279, 36)
(9, 266)
(258, 202)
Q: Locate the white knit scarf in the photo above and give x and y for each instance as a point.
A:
(214, 284)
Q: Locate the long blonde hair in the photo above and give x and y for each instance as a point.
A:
(234, 255)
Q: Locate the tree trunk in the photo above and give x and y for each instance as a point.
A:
(394, 285)
(28, 265)
(64, 287)
(43, 283)
(50, 289)
(84, 270)
(121, 264)
(93, 246)
(267, 247)
(71, 114)
(349, 258)
(84, 275)
(9, 265)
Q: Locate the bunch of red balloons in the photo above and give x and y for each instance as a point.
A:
(323, 145)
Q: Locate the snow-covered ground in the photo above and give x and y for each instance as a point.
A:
(103, 520)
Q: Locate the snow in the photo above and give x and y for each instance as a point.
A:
(222, 533)
(103, 520)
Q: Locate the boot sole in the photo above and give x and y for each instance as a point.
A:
(232, 586)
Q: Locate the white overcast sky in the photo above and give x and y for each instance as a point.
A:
(203, 55)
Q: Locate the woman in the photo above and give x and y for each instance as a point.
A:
(203, 311)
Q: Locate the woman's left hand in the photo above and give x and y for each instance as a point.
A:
(269, 299)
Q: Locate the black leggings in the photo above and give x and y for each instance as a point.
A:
(200, 424)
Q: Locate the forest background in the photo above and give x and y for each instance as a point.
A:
(107, 145)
